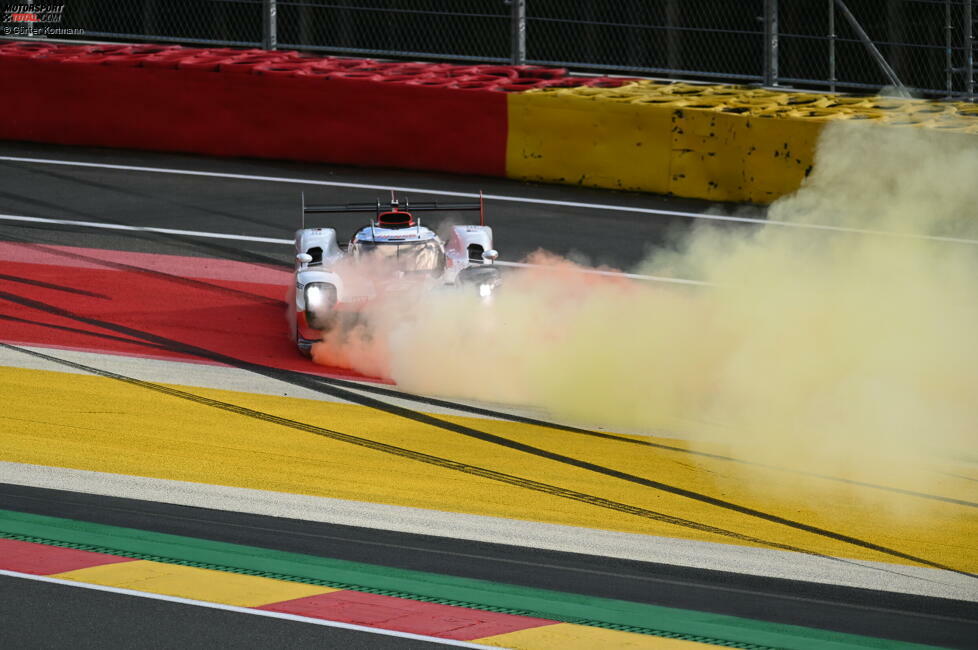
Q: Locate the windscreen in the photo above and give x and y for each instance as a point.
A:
(410, 257)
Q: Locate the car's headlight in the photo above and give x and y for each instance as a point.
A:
(486, 289)
(320, 298)
(319, 295)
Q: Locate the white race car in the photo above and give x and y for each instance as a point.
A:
(392, 253)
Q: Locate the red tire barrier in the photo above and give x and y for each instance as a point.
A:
(521, 85)
(526, 83)
(282, 68)
(351, 63)
(503, 71)
(224, 51)
(561, 83)
(140, 54)
(481, 86)
(315, 109)
(101, 55)
(317, 70)
(25, 50)
(27, 46)
(206, 62)
(255, 61)
(538, 72)
(402, 78)
(168, 59)
(412, 68)
(472, 78)
(460, 71)
(246, 64)
(433, 81)
(153, 48)
(360, 75)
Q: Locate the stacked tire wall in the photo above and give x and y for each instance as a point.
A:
(524, 122)
(714, 142)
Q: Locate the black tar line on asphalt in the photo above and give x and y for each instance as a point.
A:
(522, 419)
(48, 285)
(76, 330)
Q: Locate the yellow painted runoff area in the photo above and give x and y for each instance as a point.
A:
(568, 636)
(194, 583)
(101, 424)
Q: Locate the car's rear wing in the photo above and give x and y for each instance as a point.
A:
(395, 205)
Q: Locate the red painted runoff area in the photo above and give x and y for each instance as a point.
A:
(117, 302)
(25, 557)
(416, 617)
(202, 268)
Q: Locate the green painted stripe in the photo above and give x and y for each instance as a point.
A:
(416, 585)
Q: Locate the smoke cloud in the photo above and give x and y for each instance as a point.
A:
(810, 347)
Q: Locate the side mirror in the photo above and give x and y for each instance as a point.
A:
(303, 258)
(490, 255)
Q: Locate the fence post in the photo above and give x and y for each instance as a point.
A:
(30, 24)
(948, 51)
(149, 18)
(269, 24)
(969, 51)
(832, 37)
(517, 48)
(770, 42)
(673, 35)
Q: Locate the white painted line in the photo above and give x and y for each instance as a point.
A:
(243, 610)
(493, 197)
(271, 240)
(166, 231)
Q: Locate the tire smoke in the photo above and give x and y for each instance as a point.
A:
(843, 352)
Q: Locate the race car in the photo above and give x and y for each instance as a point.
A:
(392, 253)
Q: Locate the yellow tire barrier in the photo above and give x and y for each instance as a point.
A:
(722, 143)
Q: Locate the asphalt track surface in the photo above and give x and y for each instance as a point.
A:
(855, 611)
(268, 209)
(264, 209)
(44, 615)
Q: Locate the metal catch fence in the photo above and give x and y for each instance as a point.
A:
(845, 45)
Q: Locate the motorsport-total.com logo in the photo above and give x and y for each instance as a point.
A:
(35, 20)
